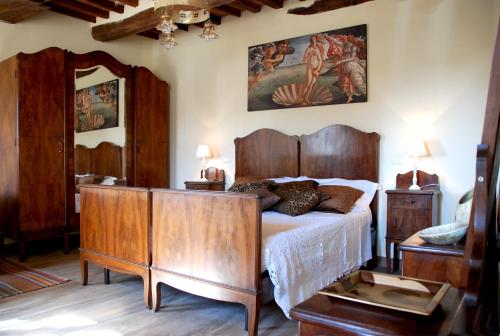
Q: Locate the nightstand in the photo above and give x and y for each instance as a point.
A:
(216, 180)
(409, 211)
(206, 185)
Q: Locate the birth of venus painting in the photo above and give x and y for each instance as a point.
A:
(96, 107)
(319, 69)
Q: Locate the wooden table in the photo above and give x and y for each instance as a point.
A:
(441, 263)
(206, 185)
(327, 316)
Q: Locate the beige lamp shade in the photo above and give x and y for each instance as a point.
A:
(203, 151)
(416, 147)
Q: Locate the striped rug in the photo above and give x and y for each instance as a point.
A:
(17, 279)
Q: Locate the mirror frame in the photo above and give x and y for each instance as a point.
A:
(86, 61)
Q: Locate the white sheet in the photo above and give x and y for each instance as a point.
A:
(306, 253)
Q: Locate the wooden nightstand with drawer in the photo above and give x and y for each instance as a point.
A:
(409, 211)
(216, 180)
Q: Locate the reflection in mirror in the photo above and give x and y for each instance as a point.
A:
(99, 125)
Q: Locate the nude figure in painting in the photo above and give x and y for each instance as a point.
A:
(314, 61)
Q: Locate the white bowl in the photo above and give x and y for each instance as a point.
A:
(444, 234)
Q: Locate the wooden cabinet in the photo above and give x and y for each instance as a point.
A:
(442, 263)
(37, 191)
(32, 128)
(408, 211)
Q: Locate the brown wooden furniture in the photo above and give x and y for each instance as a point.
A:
(328, 316)
(209, 244)
(37, 138)
(409, 211)
(216, 180)
(32, 146)
(443, 263)
(114, 215)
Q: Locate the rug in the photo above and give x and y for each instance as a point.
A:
(17, 279)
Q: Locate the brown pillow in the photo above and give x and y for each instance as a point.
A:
(342, 198)
(249, 186)
(267, 198)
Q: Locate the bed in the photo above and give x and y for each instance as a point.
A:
(215, 245)
(103, 160)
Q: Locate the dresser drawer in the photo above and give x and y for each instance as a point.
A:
(409, 202)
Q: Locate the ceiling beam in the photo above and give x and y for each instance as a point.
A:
(133, 3)
(135, 24)
(107, 5)
(13, 11)
(151, 33)
(276, 4)
(320, 6)
(79, 7)
(69, 12)
(225, 10)
(245, 5)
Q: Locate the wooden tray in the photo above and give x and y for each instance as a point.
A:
(389, 291)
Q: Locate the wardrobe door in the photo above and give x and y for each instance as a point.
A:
(152, 130)
(41, 140)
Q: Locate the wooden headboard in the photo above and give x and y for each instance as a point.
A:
(334, 151)
(267, 153)
(105, 159)
(340, 151)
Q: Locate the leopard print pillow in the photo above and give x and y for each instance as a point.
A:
(297, 198)
(251, 186)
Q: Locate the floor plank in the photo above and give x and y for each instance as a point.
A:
(117, 309)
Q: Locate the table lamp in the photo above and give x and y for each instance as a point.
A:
(415, 148)
(202, 152)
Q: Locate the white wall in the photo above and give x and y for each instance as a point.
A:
(428, 68)
(50, 29)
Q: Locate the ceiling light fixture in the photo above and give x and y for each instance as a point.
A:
(182, 12)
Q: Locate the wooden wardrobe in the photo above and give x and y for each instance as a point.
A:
(37, 139)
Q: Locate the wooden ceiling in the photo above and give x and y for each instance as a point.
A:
(144, 23)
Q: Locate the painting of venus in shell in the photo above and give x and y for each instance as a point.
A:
(318, 69)
(96, 107)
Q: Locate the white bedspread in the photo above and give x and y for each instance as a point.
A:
(306, 253)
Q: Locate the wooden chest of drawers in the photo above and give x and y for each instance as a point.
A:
(408, 211)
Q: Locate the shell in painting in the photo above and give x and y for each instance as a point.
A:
(291, 94)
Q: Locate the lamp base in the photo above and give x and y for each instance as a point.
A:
(414, 187)
(203, 179)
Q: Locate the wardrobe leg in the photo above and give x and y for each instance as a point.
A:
(156, 295)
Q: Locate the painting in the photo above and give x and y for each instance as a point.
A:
(96, 107)
(319, 69)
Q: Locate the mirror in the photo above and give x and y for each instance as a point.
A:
(100, 130)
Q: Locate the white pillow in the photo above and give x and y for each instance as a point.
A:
(288, 179)
(109, 180)
(367, 187)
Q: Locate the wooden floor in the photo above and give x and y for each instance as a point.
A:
(117, 309)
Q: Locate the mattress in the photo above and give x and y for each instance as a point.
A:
(306, 253)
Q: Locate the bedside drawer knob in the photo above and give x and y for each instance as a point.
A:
(480, 179)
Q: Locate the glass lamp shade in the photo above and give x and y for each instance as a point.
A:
(167, 40)
(203, 151)
(208, 32)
